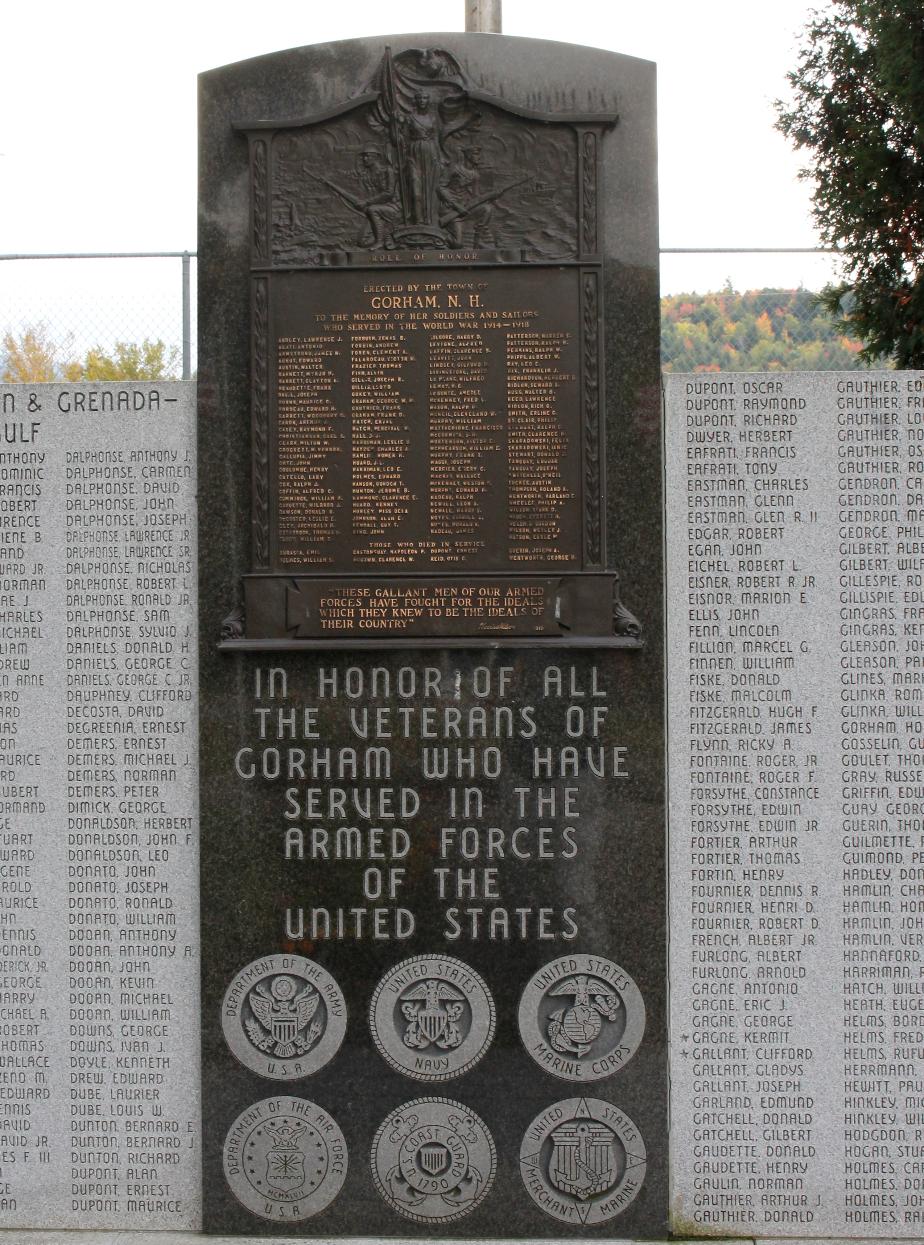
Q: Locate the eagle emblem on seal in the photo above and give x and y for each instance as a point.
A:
(574, 1029)
(281, 1017)
(434, 1012)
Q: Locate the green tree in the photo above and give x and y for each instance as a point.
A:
(858, 107)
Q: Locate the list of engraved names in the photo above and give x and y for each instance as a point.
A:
(428, 422)
(796, 625)
(98, 956)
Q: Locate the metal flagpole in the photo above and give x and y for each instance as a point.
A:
(483, 16)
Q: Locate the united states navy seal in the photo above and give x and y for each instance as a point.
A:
(432, 1017)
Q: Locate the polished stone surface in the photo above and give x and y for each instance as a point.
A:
(615, 882)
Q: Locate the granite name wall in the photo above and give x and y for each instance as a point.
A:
(795, 577)
(99, 1016)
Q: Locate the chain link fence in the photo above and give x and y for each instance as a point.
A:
(73, 304)
(722, 309)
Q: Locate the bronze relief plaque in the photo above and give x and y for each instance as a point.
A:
(426, 380)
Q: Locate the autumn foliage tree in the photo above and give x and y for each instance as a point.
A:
(35, 356)
(757, 331)
(857, 108)
(147, 360)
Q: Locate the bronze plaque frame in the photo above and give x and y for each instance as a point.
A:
(389, 191)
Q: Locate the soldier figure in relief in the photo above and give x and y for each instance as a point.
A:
(461, 191)
(383, 207)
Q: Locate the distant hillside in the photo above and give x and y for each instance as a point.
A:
(762, 330)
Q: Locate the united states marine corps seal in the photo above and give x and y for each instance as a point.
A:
(581, 1017)
(284, 1016)
(433, 1160)
(432, 1017)
(582, 1161)
(285, 1159)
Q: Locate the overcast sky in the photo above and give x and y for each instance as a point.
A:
(97, 112)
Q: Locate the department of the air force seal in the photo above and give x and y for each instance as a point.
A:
(432, 1017)
(284, 1017)
(581, 1017)
(433, 1160)
(285, 1159)
(582, 1161)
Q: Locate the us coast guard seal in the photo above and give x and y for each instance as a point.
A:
(285, 1159)
(582, 1161)
(433, 1160)
(581, 1017)
(284, 1016)
(432, 1017)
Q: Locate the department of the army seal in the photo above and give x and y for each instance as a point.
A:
(432, 1017)
(285, 1159)
(582, 1161)
(284, 1017)
(433, 1160)
(581, 1017)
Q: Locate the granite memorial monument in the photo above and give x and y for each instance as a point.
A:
(432, 854)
